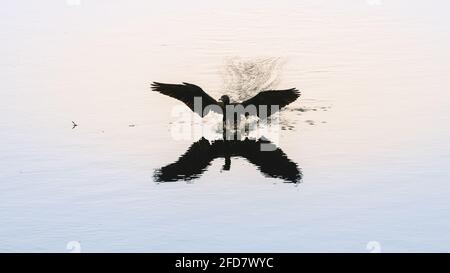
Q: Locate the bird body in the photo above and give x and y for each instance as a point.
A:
(191, 165)
(263, 105)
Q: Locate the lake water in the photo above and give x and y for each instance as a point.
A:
(371, 140)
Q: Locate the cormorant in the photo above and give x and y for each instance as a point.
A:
(264, 104)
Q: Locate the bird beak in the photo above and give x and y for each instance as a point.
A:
(220, 99)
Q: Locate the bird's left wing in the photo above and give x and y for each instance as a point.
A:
(186, 93)
(277, 98)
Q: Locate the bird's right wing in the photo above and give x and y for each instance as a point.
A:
(186, 93)
(269, 98)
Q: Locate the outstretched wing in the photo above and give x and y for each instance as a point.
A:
(269, 98)
(186, 93)
(189, 166)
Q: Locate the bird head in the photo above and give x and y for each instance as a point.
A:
(225, 99)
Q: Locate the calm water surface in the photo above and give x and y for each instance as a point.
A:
(373, 146)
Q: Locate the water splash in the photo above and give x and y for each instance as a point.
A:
(244, 78)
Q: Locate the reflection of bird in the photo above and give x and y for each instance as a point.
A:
(191, 165)
(272, 100)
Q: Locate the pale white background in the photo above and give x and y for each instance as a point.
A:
(377, 170)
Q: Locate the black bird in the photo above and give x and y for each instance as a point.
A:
(272, 100)
(192, 164)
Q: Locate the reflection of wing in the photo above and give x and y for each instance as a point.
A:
(186, 93)
(193, 163)
(279, 98)
(272, 162)
(189, 166)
